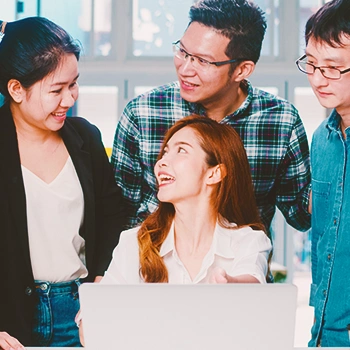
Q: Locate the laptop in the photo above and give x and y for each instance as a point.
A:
(188, 317)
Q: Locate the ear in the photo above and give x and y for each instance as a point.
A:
(16, 90)
(243, 70)
(216, 174)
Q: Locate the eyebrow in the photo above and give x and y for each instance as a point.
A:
(178, 144)
(63, 82)
(205, 56)
(183, 143)
(328, 59)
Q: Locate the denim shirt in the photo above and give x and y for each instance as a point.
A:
(330, 256)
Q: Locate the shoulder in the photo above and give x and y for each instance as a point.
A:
(245, 236)
(278, 107)
(321, 130)
(127, 249)
(82, 127)
(156, 98)
(80, 124)
(129, 236)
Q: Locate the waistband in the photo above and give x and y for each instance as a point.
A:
(60, 287)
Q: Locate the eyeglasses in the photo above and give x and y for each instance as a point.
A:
(328, 72)
(198, 62)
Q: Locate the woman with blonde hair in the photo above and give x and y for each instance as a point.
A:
(207, 227)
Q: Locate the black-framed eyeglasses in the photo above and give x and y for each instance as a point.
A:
(328, 72)
(198, 62)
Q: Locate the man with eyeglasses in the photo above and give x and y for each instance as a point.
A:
(327, 65)
(213, 61)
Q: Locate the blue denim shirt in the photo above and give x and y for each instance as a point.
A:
(330, 256)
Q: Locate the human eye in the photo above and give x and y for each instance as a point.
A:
(164, 152)
(331, 72)
(74, 84)
(181, 150)
(182, 52)
(202, 61)
(58, 91)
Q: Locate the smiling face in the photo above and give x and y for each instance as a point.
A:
(210, 86)
(330, 93)
(44, 105)
(182, 172)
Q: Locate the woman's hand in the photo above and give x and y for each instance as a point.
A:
(81, 334)
(219, 275)
(9, 343)
(78, 320)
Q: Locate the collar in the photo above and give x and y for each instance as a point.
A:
(333, 121)
(221, 246)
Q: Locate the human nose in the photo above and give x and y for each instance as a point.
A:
(185, 65)
(317, 78)
(163, 162)
(68, 99)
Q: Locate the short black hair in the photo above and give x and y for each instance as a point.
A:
(329, 23)
(241, 21)
(31, 49)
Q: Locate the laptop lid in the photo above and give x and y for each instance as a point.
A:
(188, 317)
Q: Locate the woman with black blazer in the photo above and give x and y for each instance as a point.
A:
(61, 212)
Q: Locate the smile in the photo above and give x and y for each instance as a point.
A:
(165, 179)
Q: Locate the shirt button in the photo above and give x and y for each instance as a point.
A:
(335, 221)
(324, 292)
(43, 286)
(329, 256)
(28, 291)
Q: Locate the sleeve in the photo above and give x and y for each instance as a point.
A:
(109, 205)
(124, 267)
(293, 186)
(252, 257)
(127, 165)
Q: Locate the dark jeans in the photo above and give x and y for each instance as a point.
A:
(54, 324)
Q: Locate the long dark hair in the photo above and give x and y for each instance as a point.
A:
(31, 49)
(233, 198)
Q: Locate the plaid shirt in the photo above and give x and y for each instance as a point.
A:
(270, 128)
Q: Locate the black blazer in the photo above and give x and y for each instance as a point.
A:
(103, 218)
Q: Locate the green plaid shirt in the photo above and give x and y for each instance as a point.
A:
(271, 130)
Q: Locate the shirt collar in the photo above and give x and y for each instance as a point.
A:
(221, 246)
(333, 121)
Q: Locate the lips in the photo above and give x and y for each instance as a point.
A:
(322, 93)
(59, 116)
(187, 85)
(165, 179)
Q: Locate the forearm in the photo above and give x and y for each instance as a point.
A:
(242, 279)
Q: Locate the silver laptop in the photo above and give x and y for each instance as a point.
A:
(188, 317)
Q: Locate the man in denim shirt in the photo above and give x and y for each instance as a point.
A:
(327, 63)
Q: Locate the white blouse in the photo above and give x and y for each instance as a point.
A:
(238, 251)
(55, 213)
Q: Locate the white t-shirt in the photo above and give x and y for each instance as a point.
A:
(238, 251)
(55, 213)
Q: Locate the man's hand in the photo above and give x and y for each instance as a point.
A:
(9, 343)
